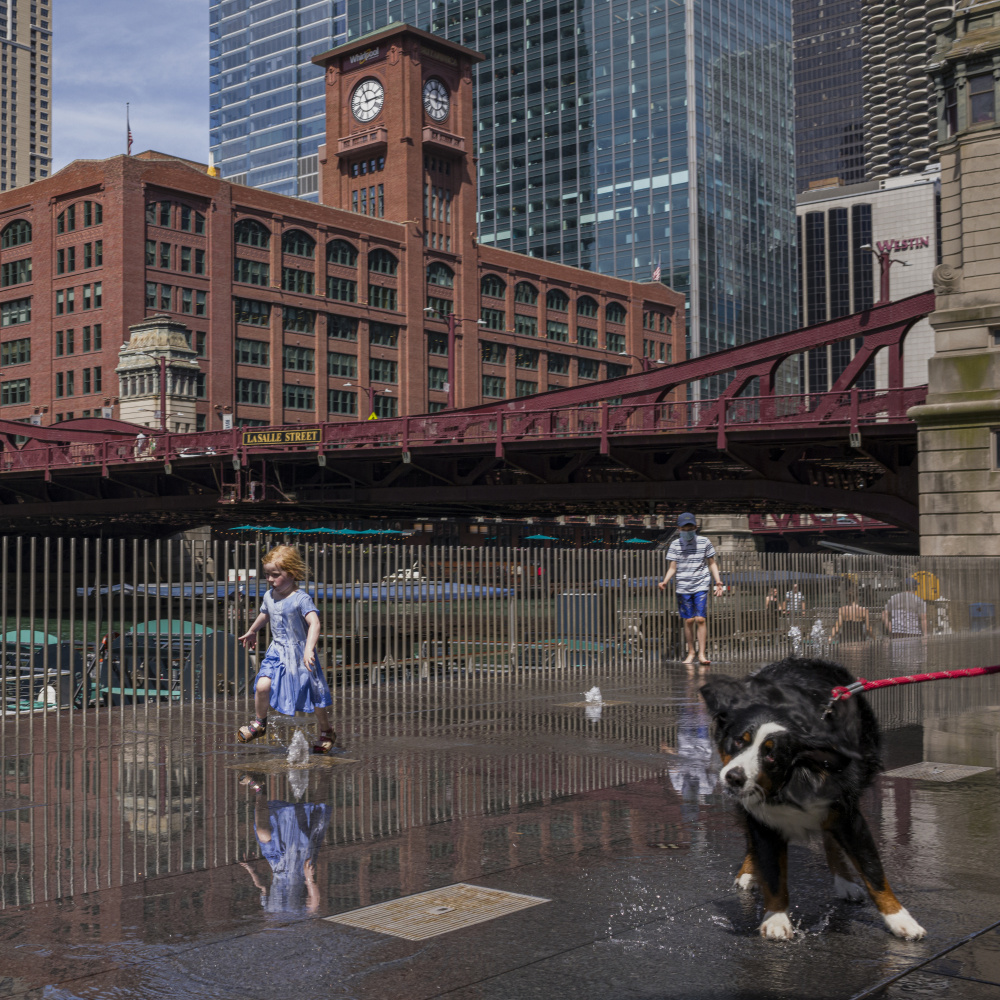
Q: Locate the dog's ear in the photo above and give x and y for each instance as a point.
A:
(825, 758)
(721, 694)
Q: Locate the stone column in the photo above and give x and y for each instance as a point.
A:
(959, 481)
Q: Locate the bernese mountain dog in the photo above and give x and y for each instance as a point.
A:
(797, 766)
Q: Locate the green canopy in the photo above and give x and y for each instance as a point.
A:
(171, 626)
(638, 541)
(28, 637)
(541, 538)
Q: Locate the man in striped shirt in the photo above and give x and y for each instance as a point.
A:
(691, 559)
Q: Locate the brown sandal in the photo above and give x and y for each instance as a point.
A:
(326, 740)
(254, 781)
(252, 730)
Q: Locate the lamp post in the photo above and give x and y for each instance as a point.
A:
(163, 383)
(884, 263)
(372, 393)
(453, 322)
(647, 363)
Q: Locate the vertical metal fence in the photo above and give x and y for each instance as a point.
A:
(97, 626)
(121, 678)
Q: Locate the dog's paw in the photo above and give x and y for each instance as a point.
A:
(903, 925)
(851, 891)
(745, 881)
(777, 927)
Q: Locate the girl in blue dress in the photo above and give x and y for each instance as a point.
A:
(290, 679)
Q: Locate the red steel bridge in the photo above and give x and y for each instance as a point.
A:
(606, 447)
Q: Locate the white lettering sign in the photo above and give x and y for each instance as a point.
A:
(360, 58)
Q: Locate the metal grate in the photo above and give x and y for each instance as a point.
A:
(274, 764)
(928, 770)
(438, 911)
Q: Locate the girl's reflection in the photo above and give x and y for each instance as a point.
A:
(289, 835)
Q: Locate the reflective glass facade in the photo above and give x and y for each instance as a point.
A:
(829, 111)
(621, 135)
(267, 114)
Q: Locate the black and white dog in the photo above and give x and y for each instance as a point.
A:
(796, 770)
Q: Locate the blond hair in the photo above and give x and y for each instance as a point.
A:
(287, 559)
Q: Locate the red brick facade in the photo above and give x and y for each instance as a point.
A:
(298, 311)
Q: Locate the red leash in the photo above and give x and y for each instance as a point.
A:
(843, 693)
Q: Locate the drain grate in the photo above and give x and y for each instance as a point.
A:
(438, 911)
(927, 770)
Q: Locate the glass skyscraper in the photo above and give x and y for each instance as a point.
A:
(829, 111)
(615, 136)
(267, 110)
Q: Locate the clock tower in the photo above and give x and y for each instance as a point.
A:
(400, 147)
(399, 132)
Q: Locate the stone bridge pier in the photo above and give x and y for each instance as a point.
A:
(959, 424)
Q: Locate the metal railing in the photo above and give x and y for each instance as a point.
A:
(854, 408)
(87, 624)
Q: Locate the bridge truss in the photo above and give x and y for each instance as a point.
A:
(603, 447)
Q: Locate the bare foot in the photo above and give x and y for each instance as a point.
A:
(704, 663)
(689, 660)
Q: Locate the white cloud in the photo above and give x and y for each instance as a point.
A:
(150, 53)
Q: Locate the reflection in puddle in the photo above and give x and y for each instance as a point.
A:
(447, 785)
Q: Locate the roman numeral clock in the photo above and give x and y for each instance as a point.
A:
(367, 100)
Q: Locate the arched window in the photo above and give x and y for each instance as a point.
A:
(526, 293)
(341, 252)
(15, 233)
(298, 243)
(586, 306)
(440, 274)
(558, 300)
(493, 286)
(252, 233)
(615, 313)
(382, 262)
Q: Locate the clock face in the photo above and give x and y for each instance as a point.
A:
(436, 100)
(367, 99)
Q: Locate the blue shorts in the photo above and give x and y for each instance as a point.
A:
(692, 605)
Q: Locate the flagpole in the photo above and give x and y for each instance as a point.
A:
(128, 131)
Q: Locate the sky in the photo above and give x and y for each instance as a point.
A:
(151, 53)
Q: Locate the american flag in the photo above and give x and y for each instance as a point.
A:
(656, 272)
(128, 129)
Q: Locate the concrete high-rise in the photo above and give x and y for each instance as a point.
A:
(829, 110)
(613, 137)
(900, 122)
(25, 88)
(267, 99)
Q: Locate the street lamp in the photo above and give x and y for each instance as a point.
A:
(453, 322)
(162, 359)
(372, 393)
(884, 263)
(647, 363)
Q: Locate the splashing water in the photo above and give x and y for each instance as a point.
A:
(594, 704)
(298, 749)
(795, 634)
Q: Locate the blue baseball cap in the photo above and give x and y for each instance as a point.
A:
(687, 518)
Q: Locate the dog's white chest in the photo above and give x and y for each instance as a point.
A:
(793, 823)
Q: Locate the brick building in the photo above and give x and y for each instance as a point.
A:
(379, 295)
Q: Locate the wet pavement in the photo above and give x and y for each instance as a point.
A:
(139, 860)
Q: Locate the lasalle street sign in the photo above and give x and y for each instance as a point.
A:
(300, 435)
